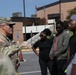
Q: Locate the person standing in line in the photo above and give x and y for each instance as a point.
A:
(8, 47)
(59, 50)
(71, 69)
(44, 45)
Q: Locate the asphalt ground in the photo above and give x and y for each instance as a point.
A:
(30, 65)
(27, 50)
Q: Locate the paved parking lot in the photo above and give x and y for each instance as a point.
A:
(30, 66)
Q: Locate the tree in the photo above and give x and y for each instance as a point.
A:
(71, 12)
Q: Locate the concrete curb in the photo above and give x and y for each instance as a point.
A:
(27, 50)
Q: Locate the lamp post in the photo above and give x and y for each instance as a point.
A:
(60, 8)
(24, 7)
(24, 18)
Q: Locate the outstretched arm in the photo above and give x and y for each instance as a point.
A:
(35, 51)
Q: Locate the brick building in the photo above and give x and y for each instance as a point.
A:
(19, 32)
(56, 10)
(51, 12)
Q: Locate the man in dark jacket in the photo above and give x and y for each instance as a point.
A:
(59, 49)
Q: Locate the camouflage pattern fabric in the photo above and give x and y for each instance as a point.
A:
(6, 20)
(6, 66)
(10, 48)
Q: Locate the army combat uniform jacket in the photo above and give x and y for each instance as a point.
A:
(9, 48)
(6, 66)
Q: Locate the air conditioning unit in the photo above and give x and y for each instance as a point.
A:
(17, 14)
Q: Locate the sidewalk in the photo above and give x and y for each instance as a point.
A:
(27, 50)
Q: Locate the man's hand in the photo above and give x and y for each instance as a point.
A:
(25, 44)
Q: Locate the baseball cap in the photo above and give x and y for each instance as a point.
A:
(73, 17)
(6, 20)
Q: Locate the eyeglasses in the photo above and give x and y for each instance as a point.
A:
(42, 35)
(70, 24)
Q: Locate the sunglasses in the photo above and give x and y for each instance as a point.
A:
(11, 26)
(41, 35)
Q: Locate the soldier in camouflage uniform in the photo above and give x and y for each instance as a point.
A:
(6, 45)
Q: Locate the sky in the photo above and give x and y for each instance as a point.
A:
(7, 7)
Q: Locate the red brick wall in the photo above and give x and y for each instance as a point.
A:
(55, 9)
(18, 30)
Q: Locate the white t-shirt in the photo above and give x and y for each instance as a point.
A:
(70, 65)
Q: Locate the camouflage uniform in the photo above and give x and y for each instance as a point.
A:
(6, 66)
(9, 48)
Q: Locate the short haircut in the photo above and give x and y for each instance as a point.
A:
(60, 23)
(47, 32)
